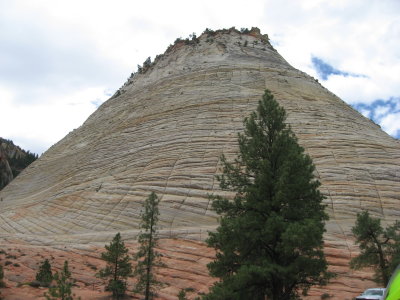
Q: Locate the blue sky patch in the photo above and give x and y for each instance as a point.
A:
(324, 70)
(378, 110)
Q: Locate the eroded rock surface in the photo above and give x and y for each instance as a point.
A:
(164, 131)
(184, 268)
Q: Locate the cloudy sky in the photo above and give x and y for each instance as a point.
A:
(60, 59)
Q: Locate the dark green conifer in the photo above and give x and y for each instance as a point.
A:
(44, 276)
(270, 239)
(62, 290)
(380, 248)
(182, 295)
(147, 257)
(1, 279)
(118, 266)
(1, 276)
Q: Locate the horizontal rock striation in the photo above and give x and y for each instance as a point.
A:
(165, 130)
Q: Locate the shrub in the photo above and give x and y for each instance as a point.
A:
(182, 295)
(35, 284)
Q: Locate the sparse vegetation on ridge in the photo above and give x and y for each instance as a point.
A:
(192, 40)
(13, 160)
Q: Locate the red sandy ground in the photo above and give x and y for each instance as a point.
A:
(185, 268)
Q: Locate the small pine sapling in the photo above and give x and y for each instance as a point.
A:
(63, 288)
(44, 276)
(182, 295)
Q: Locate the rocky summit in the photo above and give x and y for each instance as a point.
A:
(164, 131)
(13, 160)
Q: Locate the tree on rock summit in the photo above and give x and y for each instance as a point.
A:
(269, 242)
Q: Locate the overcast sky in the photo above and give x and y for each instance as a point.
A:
(60, 59)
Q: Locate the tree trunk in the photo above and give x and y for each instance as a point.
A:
(147, 292)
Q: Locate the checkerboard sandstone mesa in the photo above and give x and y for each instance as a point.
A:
(164, 131)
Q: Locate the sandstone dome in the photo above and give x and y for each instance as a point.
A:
(164, 131)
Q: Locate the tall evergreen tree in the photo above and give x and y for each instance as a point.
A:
(1, 279)
(118, 266)
(380, 248)
(1, 276)
(63, 288)
(270, 239)
(147, 257)
(44, 276)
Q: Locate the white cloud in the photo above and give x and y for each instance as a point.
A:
(391, 124)
(49, 121)
(366, 113)
(381, 111)
(58, 57)
(349, 35)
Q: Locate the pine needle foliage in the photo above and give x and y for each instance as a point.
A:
(118, 266)
(182, 295)
(63, 288)
(379, 247)
(1, 276)
(44, 276)
(147, 257)
(2, 284)
(269, 242)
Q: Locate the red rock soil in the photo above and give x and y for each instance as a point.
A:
(185, 268)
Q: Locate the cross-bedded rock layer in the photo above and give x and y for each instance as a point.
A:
(165, 130)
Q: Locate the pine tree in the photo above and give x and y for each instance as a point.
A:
(1, 279)
(182, 295)
(63, 288)
(147, 257)
(44, 276)
(380, 248)
(118, 266)
(269, 242)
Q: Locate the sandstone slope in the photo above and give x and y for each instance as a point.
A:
(164, 131)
